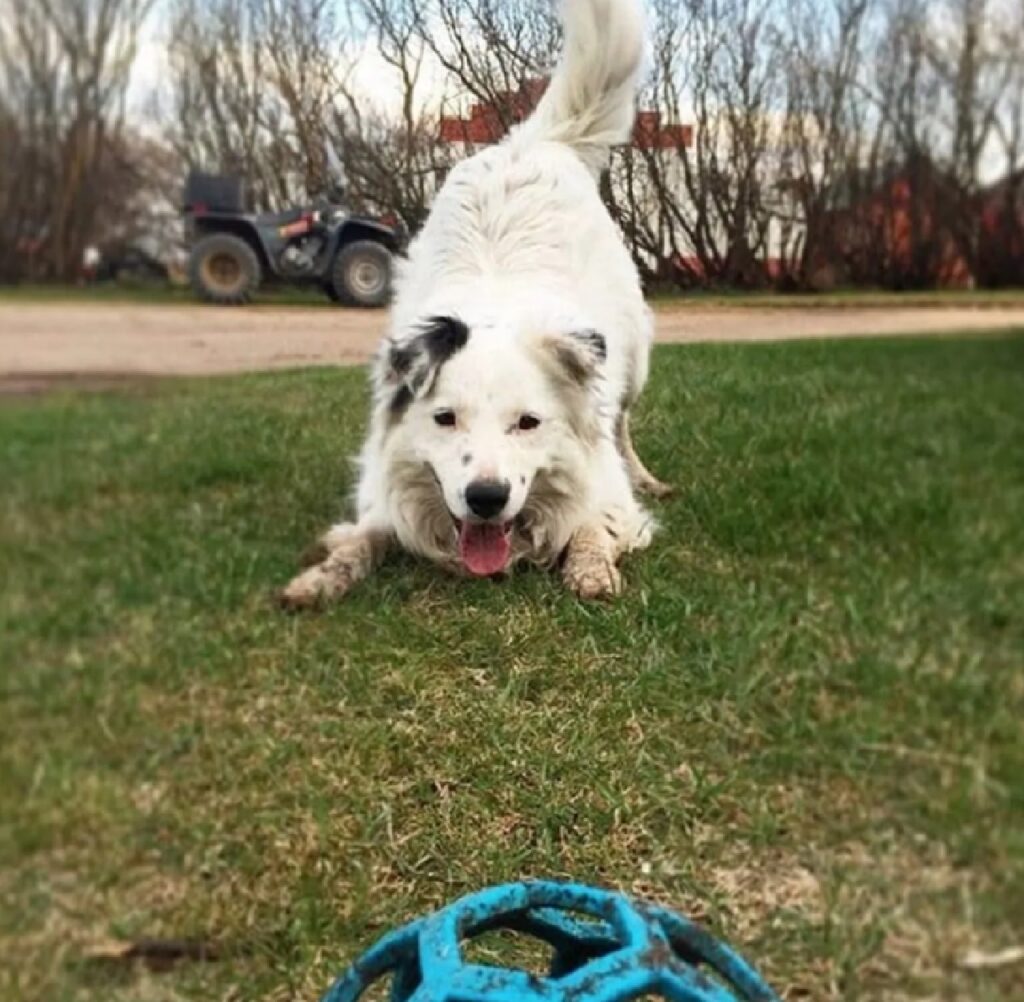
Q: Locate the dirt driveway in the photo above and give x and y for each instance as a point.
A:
(97, 343)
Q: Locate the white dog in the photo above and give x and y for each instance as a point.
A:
(519, 340)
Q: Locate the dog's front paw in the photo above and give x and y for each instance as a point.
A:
(593, 578)
(305, 591)
(317, 585)
(350, 557)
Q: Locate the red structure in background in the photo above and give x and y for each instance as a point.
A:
(893, 223)
(908, 214)
(485, 124)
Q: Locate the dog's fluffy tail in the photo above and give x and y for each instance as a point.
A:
(588, 105)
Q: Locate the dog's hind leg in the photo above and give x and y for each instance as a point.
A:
(642, 478)
(352, 552)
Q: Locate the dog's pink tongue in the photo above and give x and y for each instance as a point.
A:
(484, 548)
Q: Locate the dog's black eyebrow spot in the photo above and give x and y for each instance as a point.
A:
(401, 358)
(400, 401)
(443, 337)
(467, 459)
(595, 341)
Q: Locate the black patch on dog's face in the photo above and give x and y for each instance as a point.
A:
(400, 401)
(415, 364)
(444, 336)
(401, 359)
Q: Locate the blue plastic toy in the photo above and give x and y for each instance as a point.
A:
(606, 948)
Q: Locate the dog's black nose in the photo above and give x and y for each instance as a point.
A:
(486, 497)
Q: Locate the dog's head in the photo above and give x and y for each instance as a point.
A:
(498, 423)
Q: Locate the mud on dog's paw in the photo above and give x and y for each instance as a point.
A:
(342, 557)
(316, 586)
(304, 591)
(592, 578)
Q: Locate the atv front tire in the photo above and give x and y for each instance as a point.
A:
(361, 274)
(224, 269)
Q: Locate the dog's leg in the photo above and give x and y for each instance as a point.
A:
(589, 569)
(352, 551)
(642, 478)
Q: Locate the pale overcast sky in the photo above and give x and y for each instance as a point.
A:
(371, 75)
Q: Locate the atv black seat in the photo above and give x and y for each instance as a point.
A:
(214, 192)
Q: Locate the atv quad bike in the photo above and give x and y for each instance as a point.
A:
(233, 251)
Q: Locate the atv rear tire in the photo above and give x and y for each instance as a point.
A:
(224, 269)
(361, 274)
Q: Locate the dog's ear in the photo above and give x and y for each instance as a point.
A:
(413, 363)
(580, 354)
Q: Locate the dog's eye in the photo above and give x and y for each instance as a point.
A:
(446, 419)
(527, 422)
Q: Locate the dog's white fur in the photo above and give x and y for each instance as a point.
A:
(520, 252)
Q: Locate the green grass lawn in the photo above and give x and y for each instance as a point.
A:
(802, 723)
